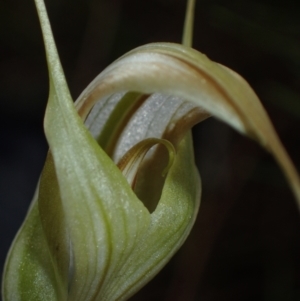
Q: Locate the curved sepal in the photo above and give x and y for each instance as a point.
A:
(177, 70)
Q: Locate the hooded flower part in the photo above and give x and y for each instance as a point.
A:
(119, 192)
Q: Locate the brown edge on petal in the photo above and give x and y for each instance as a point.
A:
(176, 131)
(222, 92)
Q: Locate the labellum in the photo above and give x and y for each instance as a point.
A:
(120, 191)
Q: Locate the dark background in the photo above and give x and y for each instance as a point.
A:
(246, 241)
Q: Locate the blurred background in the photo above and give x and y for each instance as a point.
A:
(246, 241)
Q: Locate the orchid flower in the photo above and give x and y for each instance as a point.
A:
(120, 191)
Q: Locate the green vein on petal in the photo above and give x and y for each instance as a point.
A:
(54, 225)
(29, 263)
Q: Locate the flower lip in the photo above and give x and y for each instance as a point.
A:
(157, 115)
(130, 162)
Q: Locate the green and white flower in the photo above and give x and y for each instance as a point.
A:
(120, 191)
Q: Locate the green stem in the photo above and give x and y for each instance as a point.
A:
(187, 38)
